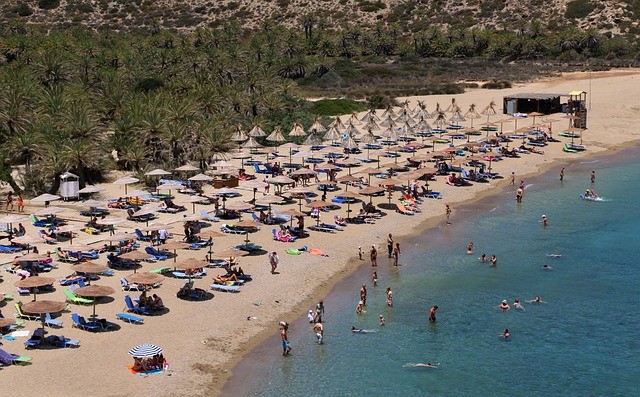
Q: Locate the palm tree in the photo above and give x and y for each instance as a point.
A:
(81, 155)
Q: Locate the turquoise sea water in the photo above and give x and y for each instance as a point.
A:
(584, 342)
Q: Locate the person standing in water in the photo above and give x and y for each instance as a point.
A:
(448, 213)
(519, 193)
(561, 174)
(470, 249)
(390, 244)
(318, 328)
(432, 314)
(381, 320)
(593, 176)
(544, 221)
(374, 278)
(286, 345)
(494, 260)
(363, 294)
(396, 254)
(374, 256)
(389, 297)
(319, 312)
(513, 178)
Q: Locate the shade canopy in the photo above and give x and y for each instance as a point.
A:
(110, 221)
(187, 167)
(26, 240)
(127, 180)
(12, 219)
(50, 211)
(136, 256)
(90, 268)
(201, 177)
(239, 206)
(371, 190)
(119, 237)
(44, 198)
(190, 264)
(158, 172)
(4, 322)
(34, 281)
(94, 291)
(318, 204)
(146, 350)
(90, 189)
(43, 307)
(145, 278)
(29, 258)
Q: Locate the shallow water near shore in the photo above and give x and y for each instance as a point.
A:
(583, 341)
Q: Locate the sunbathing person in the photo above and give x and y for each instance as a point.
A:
(156, 302)
(225, 279)
(139, 364)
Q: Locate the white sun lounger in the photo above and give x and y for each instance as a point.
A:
(225, 288)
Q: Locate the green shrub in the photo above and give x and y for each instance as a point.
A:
(578, 9)
(333, 107)
(21, 9)
(48, 4)
(148, 84)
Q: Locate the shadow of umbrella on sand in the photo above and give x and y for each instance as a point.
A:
(94, 291)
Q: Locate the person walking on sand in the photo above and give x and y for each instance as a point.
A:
(593, 176)
(432, 314)
(390, 245)
(20, 202)
(561, 174)
(374, 256)
(360, 253)
(363, 294)
(513, 178)
(374, 278)
(396, 254)
(286, 345)
(9, 206)
(274, 261)
(448, 213)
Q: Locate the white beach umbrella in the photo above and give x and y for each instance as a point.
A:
(157, 172)
(90, 189)
(45, 197)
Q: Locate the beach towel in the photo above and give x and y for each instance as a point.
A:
(8, 337)
(18, 334)
(317, 252)
(293, 251)
(152, 372)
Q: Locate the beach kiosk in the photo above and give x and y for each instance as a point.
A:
(577, 106)
(69, 186)
(529, 103)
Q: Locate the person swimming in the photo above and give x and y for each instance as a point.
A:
(505, 334)
(537, 299)
(427, 365)
(554, 255)
(470, 249)
(504, 305)
(546, 267)
(483, 258)
(517, 305)
(361, 331)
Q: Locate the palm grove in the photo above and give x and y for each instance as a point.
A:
(88, 102)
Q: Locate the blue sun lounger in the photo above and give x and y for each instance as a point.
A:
(130, 318)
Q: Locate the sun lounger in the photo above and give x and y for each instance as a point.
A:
(185, 275)
(225, 288)
(71, 297)
(135, 308)
(51, 322)
(160, 270)
(322, 229)
(140, 236)
(80, 322)
(157, 254)
(403, 210)
(126, 286)
(8, 249)
(209, 217)
(37, 339)
(229, 229)
(130, 318)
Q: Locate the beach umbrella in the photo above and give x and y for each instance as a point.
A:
(26, 240)
(94, 291)
(312, 140)
(371, 191)
(9, 219)
(157, 172)
(388, 112)
(43, 307)
(201, 177)
(276, 135)
(187, 168)
(257, 131)
(136, 256)
(239, 206)
(291, 146)
(472, 114)
(346, 179)
(239, 135)
(490, 110)
(251, 143)
(353, 119)
(90, 189)
(332, 135)
(195, 199)
(45, 198)
(127, 180)
(281, 180)
(93, 204)
(337, 123)
(316, 126)
(155, 227)
(269, 200)
(222, 164)
(318, 204)
(174, 246)
(90, 268)
(34, 282)
(145, 278)
(147, 350)
(348, 195)
(190, 264)
(297, 130)
(228, 254)
(29, 258)
(351, 130)
(110, 221)
(5, 322)
(241, 156)
(212, 234)
(254, 185)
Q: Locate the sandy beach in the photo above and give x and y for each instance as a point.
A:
(203, 340)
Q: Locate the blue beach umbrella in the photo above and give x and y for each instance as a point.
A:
(147, 350)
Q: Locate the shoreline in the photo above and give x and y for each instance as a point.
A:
(205, 341)
(230, 386)
(430, 223)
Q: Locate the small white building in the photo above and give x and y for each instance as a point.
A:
(69, 186)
